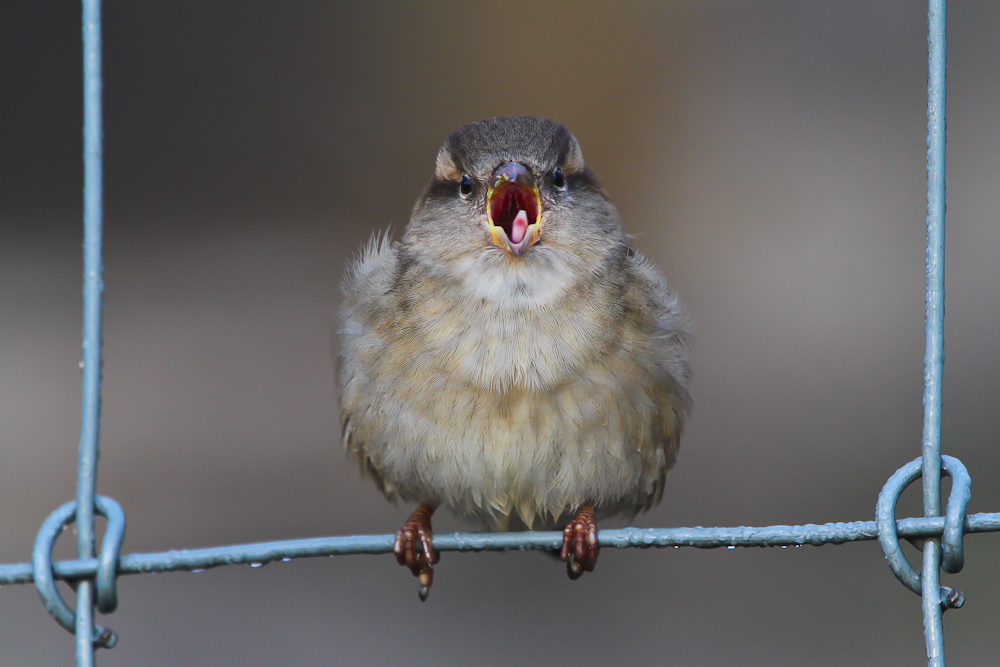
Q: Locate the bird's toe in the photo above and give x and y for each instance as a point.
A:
(413, 548)
(579, 547)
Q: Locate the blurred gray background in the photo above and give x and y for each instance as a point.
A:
(768, 155)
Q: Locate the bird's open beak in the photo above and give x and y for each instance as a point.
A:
(513, 209)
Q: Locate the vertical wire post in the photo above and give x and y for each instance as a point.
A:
(934, 325)
(92, 288)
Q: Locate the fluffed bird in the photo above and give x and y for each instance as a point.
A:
(511, 357)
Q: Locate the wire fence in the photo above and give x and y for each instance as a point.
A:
(94, 574)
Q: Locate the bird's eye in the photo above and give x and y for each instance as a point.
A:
(465, 187)
(558, 178)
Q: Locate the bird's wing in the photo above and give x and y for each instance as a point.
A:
(668, 331)
(371, 272)
(366, 284)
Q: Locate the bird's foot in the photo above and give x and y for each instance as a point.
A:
(579, 547)
(413, 548)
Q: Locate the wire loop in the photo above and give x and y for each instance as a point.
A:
(107, 565)
(952, 552)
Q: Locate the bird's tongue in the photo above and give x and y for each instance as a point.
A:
(519, 227)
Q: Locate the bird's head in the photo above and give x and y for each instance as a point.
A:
(511, 194)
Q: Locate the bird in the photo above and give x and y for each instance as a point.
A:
(511, 357)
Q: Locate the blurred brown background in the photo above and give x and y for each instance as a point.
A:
(768, 156)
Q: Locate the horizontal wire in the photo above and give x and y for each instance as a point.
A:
(704, 538)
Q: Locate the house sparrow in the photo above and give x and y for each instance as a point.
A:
(511, 357)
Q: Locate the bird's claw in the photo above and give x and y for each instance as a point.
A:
(579, 547)
(413, 548)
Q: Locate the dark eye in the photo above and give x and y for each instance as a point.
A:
(465, 187)
(558, 179)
